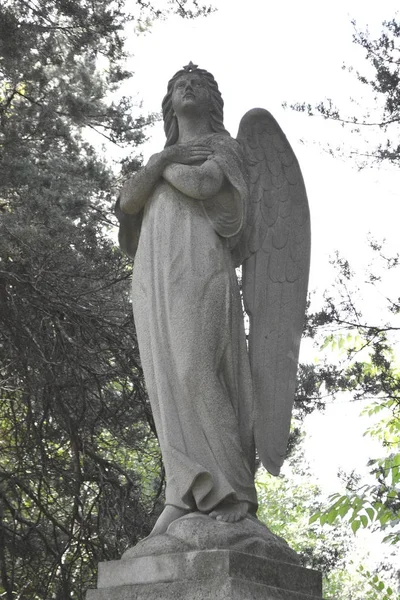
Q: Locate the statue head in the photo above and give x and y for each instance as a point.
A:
(216, 104)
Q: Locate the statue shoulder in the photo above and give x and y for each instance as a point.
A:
(229, 154)
(224, 142)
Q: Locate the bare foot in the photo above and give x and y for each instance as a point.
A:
(230, 512)
(168, 515)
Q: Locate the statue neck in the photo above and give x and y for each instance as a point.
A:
(192, 127)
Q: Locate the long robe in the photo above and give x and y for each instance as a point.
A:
(190, 330)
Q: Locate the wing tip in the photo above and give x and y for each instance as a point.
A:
(252, 114)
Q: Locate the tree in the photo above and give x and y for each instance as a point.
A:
(359, 357)
(367, 368)
(80, 471)
(368, 365)
(381, 118)
(286, 505)
(358, 349)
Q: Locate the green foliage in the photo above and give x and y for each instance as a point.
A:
(375, 505)
(366, 367)
(286, 504)
(359, 583)
(378, 587)
(362, 510)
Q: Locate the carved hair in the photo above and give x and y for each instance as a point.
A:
(217, 104)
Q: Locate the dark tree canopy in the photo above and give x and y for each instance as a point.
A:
(79, 466)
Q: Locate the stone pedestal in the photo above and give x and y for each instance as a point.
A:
(205, 575)
(199, 558)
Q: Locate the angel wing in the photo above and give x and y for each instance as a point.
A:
(274, 251)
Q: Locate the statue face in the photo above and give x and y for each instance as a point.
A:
(190, 95)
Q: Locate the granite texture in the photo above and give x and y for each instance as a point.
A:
(200, 532)
(200, 558)
(205, 575)
(218, 589)
(202, 206)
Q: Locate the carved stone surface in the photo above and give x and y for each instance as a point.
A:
(202, 206)
(205, 575)
(200, 558)
(200, 532)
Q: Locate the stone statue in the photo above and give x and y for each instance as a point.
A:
(204, 205)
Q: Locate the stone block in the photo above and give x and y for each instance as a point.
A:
(205, 575)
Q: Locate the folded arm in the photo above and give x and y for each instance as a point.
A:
(198, 182)
(138, 188)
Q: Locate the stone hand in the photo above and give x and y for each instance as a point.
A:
(187, 154)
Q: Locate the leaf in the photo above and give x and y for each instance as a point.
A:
(314, 518)
(371, 513)
(343, 510)
(331, 516)
(328, 340)
(355, 525)
(364, 520)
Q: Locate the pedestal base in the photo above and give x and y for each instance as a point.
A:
(205, 575)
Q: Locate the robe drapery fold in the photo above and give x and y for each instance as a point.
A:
(190, 330)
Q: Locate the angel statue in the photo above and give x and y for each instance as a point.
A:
(201, 207)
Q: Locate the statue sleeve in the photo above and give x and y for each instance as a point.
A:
(129, 230)
(226, 211)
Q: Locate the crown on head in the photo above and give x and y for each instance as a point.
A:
(190, 67)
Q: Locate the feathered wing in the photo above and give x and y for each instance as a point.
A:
(274, 251)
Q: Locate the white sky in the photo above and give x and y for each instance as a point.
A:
(263, 53)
